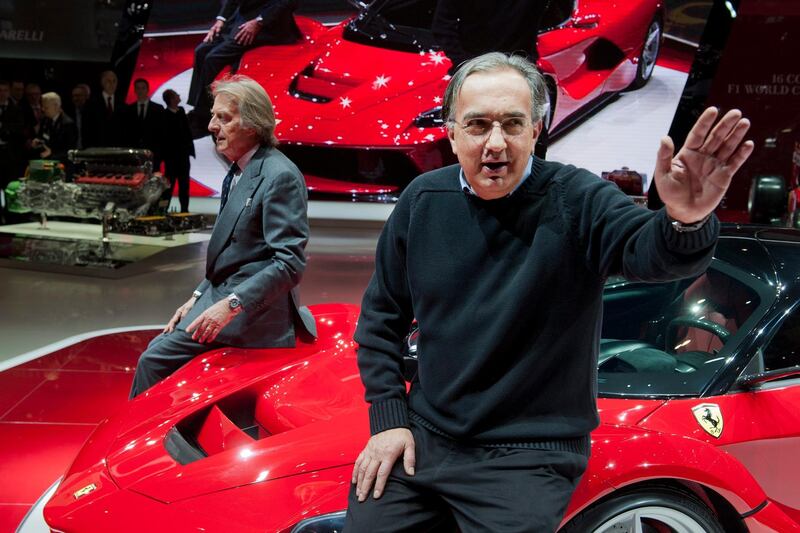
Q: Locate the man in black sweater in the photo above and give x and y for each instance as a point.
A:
(502, 260)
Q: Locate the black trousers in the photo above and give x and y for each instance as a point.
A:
(164, 355)
(177, 170)
(211, 58)
(468, 488)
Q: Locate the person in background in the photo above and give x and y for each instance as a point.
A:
(84, 117)
(17, 91)
(143, 122)
(58, 133)
(177, 148)
(107, 110)
(11, 137)
(32, 110)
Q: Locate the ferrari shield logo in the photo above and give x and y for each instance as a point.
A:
(84, 491)
(709, 417)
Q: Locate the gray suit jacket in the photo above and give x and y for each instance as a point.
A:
(257, 251)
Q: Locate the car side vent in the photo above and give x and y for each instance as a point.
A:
(180, 449)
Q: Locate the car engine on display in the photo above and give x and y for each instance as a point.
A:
(114, 185)
(698, 383)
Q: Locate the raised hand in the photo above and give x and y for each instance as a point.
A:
(691, 184)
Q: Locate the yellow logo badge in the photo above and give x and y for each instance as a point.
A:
(709, 417)
(85, 490)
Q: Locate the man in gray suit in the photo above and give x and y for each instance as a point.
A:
(256, 252)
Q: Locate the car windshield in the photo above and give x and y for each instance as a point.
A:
(670, 339)
(406, 24)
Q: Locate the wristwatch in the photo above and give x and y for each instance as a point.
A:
(197, 294)
(234, 304)
(680, 227)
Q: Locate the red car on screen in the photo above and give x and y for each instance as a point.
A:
(359, 109)
(699, 382)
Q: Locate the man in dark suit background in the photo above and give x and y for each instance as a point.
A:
(255, 257)
(143, 122)
(240, 26)
(11, 137)
(84, 116)
(32, 116)
(176, 148)
(107, 109)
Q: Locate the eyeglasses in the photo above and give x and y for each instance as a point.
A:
(481, 127)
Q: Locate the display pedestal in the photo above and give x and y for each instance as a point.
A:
(80, 248)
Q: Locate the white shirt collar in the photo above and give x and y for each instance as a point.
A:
(243, 161)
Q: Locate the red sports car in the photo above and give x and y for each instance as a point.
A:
(360, 111)
(699, 385)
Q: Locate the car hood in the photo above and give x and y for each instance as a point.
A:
(626, 411)
(250, 416)
(367, 93)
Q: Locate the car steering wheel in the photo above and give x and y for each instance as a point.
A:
(692, 322)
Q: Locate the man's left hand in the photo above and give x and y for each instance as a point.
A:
(247, 32)
(206, 327)
(692, 183)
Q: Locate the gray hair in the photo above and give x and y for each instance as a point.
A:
(493, 62)
(255, 107)
(51, 97)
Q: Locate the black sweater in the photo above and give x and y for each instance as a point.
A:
(508, 297)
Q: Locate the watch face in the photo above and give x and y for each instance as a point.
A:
(233, 303)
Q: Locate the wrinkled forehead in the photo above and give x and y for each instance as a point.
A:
(500, 93)
(225, 103)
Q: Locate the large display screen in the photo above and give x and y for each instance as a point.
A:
(326, 85)
(76, 30)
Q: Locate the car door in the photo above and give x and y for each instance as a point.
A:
(763, 423)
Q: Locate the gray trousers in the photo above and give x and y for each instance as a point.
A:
(164, 355)
(458, 487)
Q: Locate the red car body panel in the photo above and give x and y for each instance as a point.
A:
(308, 405)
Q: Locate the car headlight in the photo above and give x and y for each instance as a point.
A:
(326, 523)
(432, 118)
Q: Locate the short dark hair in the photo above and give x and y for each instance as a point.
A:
(492, 62)
(169, 95)
(141, 80)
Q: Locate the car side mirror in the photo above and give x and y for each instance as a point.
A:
(586, 22)
(410, 363)
(754, 380)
